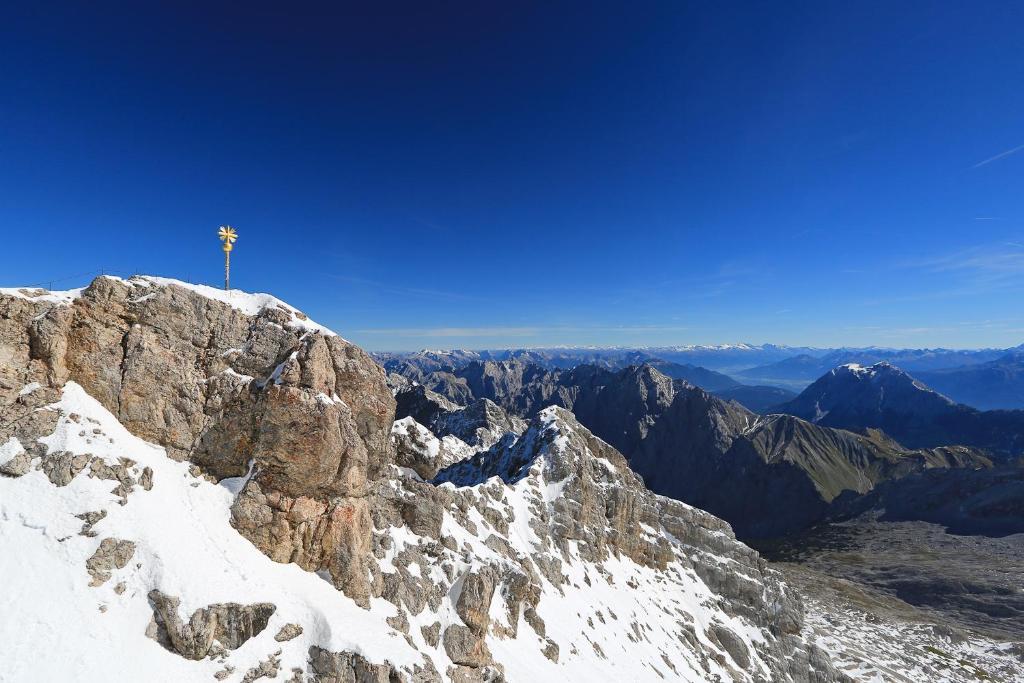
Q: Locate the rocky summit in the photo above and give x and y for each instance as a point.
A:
(207, 485)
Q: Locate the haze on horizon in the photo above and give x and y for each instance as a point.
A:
(527, 176)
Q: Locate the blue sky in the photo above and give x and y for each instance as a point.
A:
(517, 174)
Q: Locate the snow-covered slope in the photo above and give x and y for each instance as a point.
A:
(182, 544)
(196, 487)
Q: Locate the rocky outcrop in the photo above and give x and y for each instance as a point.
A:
(235, 383)
(480, 424)
(544, 545)
(229, 624)
(112, 553)
(418, 449)
(351, 667)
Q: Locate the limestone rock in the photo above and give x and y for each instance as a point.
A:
(349, 667)
(466, 647)
(112, 553)
(288, 632)
(475, 600)
(224, 388)
(230, 624)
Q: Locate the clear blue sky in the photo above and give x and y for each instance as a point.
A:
(511, 174)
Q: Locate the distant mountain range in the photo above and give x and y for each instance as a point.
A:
(984, 378)
(448, 372)
(800, 369)
(686, 442)
(883, 396)
(995, 384)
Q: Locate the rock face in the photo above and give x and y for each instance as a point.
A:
(536, 551)
(480, 424)
(233, 389)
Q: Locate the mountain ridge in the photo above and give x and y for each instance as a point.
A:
(885, 397)
(276, 440)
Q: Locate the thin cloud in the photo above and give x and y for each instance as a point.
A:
(1001, 155)
(973, 271)
(453, 331)
(512, 331)
(993, 261)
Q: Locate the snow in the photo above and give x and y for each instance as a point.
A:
(614, 620)
(185, 546)
(873, 650)
(10, 449)
(43, 295)
(249, 304)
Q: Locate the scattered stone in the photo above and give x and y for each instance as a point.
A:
(288, 632)
(268, 668)
(90, 519)
(112, 553)
(146, 480)
(62, 467)
(431, 634)
(224, 673)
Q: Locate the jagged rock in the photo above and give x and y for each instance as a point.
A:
(15, 461)
(602, 503)
(313, 534)
(348, 667)
(480, 424)
(214, 384)
(89, 519)
(302, 419)
(475, 600)
(432, 633)
(112, 553)
(417, 448)
(288, 632)
(466, 647)
(268, 668)
(230, 624)
(732, 644)
(468, 674)
(61, 468)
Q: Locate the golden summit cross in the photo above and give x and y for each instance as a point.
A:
(228, 236)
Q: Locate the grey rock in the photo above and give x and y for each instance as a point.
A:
(348, 667)
(288, 632)
(474, 602)
(732, 644)
(230, 624)
(112, 553)
(465, 647)
(268, 668)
